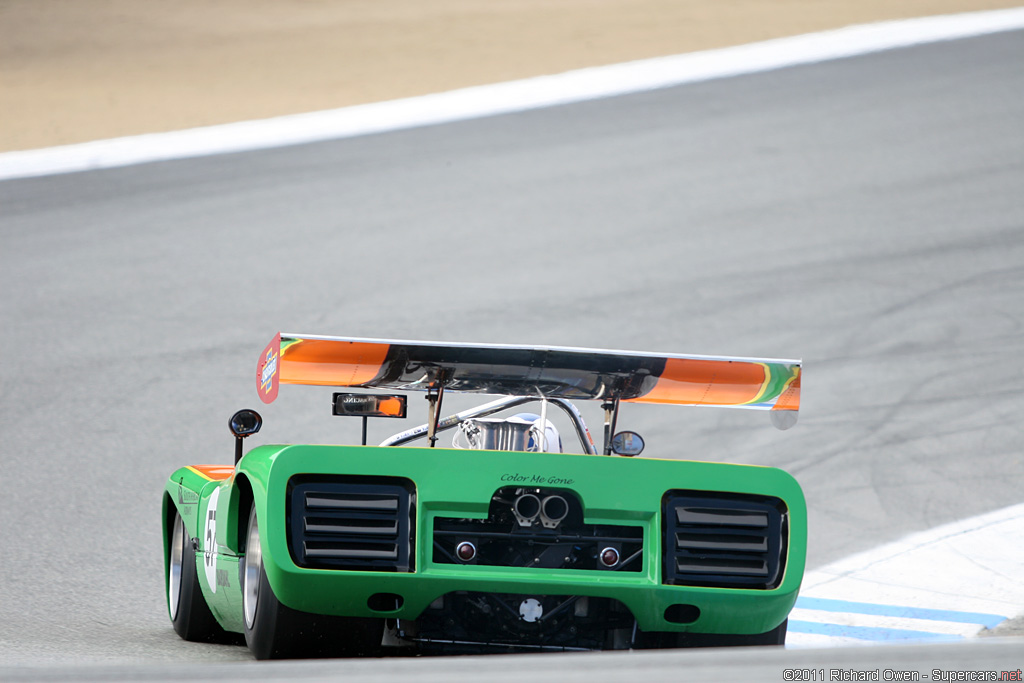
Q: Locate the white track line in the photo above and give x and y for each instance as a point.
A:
(947, 583)
(503, 98)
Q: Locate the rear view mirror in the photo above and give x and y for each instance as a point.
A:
(244, 423)
(628, 444)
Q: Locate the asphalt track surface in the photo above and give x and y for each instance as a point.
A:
(864, 214)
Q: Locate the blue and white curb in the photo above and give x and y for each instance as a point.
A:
(945, 584)
(504, 98)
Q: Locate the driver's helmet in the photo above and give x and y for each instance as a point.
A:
(552, 442)
(520, 432)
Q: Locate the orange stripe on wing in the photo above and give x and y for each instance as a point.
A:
(707, 382)
(332, 363)
(790, 397)
(212, 472)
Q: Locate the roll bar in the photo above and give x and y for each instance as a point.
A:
(493, 407)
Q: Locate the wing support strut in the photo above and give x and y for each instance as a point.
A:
(435, 395)
(611, 417)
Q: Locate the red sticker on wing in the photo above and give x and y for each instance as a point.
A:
(268, 370)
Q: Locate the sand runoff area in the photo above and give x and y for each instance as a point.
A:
(79, 70)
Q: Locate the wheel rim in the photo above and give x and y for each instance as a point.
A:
(174, 575)
(253, 565)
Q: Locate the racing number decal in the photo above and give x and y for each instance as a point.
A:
(210, 541)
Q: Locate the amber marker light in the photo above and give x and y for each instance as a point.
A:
(392, 407)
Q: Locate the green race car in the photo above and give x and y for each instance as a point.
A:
(505, 541)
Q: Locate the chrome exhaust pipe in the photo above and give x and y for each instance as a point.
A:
(553, 509)
(526, 508)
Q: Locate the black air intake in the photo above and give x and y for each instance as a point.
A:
(723, 540)
(362, 523)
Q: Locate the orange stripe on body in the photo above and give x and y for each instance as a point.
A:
(332, 363)
(212, 472)
(707, 382)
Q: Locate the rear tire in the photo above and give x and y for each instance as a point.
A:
(276, 631)
(190, 615)
(657, 640)
(777, 636)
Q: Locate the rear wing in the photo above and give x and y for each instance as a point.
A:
(551, 371)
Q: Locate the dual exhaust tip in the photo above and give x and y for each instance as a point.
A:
(551, 510)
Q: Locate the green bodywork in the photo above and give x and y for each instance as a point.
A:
(460, 483)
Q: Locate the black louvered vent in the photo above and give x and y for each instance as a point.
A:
(363, 523)
(724, 540)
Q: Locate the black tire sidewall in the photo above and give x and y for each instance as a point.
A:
(268, 637)
(193, 621)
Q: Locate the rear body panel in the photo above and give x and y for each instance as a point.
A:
(459, 484)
